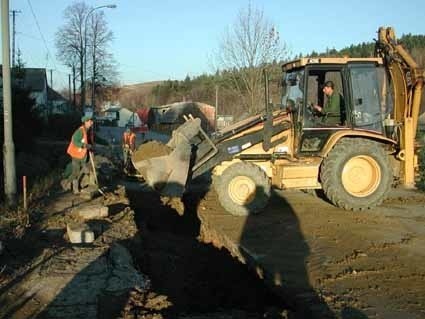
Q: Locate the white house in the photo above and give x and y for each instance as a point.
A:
(125, 117)
(35, 81)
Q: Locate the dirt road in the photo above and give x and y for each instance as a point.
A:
(170, 273)
(320, 261)
(327, 262)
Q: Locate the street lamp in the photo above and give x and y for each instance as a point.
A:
(83, 97)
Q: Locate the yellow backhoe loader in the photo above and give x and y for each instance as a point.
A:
(354, 154)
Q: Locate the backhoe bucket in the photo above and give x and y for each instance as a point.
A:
(168, 174)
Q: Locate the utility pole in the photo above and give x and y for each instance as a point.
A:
(216, 107)
(93, 91)
(14, 13)
(8, 147)
(73, 85)
(51, 79)
(69, 88)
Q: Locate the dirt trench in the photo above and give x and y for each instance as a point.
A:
(200, 280)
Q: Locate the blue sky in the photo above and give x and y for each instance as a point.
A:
(157, 40)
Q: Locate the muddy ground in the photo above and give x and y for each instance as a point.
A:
(300, 258)
(170, 273)
(326, 262)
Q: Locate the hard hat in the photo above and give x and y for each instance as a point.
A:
(86, 118)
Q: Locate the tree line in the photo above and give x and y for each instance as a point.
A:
(415, 44)
(203, 88)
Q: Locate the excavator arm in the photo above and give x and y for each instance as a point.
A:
(407, 79)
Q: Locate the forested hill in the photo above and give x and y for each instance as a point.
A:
(365, 49)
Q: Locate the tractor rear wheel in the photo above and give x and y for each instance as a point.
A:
(243, 188)
(356, 174)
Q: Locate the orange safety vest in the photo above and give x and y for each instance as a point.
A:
(78, 152)
(129, 139)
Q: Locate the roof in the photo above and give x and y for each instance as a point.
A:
(158, 107)
(181, 105)
(317, 61)
(53, 95)
(176, 111)
(35, 79)
(113, 109)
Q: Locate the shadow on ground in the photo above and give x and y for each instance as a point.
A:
(184, 275)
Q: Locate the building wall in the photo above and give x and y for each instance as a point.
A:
(40, 98)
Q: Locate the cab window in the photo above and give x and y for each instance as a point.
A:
(366, 98)
(316, 97)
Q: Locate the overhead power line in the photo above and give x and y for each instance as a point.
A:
(42, 36)
(28, 35)
(39, 29)
(44, 42)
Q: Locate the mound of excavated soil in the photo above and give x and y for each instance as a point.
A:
(150, 150)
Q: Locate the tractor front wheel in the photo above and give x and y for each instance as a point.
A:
(356, 174)
(243, 189)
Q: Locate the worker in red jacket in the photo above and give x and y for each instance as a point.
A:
(128, 145)
(77, 149)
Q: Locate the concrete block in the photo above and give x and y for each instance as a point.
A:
(93, 212)
(79, 233)
(89, 192)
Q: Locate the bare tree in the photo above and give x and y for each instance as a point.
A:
(70, 41)
(85, 35)
(102, 64)
(251, 43)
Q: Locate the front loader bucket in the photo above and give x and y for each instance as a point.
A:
(168, 169)
(167, 174)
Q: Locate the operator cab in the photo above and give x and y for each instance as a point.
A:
(360, 85)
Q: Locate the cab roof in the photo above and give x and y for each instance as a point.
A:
(310, 61)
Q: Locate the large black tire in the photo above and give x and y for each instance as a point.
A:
(356, 174)
(243, 188)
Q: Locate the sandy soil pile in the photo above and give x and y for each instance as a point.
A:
(149, 150)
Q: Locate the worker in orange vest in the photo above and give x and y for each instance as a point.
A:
(129, 146)
(77, 149)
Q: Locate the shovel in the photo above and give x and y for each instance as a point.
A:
(95, 173)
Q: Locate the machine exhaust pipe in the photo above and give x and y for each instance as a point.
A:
(268, 124)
